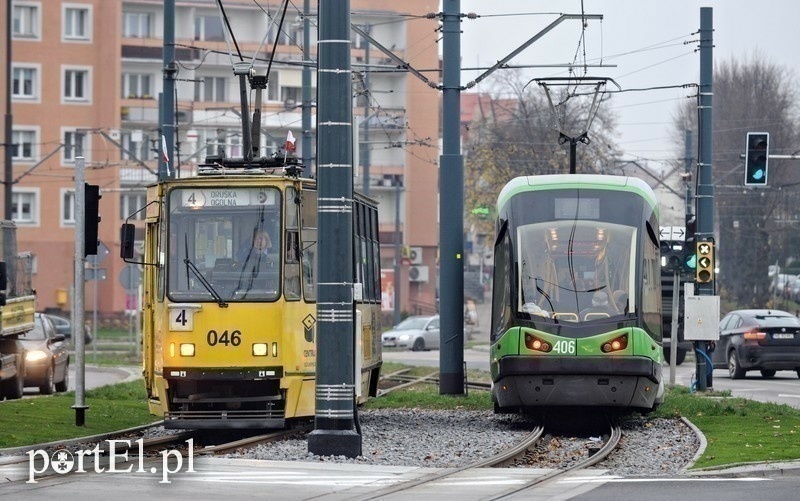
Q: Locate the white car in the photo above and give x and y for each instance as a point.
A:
(416, 333)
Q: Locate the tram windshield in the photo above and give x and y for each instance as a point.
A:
(576, 270)
(224, 244)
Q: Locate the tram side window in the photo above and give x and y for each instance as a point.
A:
(358, 272)
(501, 295)
(308, 214)
(376, 254)
(291, 280)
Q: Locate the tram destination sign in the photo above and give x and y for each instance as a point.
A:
(227, 197)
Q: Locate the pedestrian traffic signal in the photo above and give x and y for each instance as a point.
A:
(671, 255)
(705, 262)
(756, 159)
(690, 248)
(91, 219)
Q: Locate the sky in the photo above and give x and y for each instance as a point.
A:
(652, 43)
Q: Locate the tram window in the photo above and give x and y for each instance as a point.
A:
(291, 207)
(376, 255)
(308, 213)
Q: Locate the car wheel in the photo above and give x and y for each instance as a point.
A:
(48, 387)
(767, 373)
(735, 371)
(62, 385)
(419, 344)
(13, 388)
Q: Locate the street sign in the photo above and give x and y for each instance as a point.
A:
(130, 278)
(90, 274)
(672, 233)
(95, 259)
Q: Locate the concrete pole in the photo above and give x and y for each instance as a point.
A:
(78, 309)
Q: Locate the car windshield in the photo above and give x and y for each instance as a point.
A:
(777, 320)
(36, 334)
(412, 323)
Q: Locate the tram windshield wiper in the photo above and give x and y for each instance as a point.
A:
(197, 273)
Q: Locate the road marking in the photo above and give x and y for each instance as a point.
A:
(788, 395)
(617, 479)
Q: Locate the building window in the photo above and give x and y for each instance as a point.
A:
(210, 89)
(136, 145)
(67, 207)
(136, 85)
(208, 28)
(25, 84)
(130, 203)
(26, 21)
(137, 24)
(23, 143)
(77, 23)
(24, 207)
(74, 145)
(76, 85)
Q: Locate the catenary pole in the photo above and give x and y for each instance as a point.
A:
(451, 208)
(705, 187)
(334, 433)
(78, 309)
(306, 82)
(167, 111)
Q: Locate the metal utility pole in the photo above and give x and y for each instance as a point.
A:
(396, 285)
(365, 160)
(334, 433)
(167, 112)
(78, 309)
(705, 186)
(451, 228)
(9, 122)
(306, 92)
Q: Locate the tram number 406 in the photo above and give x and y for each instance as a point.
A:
(564, 347)
(214, 338)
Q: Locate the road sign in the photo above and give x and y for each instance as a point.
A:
(94, 274)
(95, 259)
(129, 277)
(672, 233)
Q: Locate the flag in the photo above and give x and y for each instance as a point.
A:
(164, 149)
(290, 142)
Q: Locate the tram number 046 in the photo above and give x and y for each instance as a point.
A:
(234, 338)
(564, 347)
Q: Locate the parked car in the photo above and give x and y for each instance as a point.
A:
(64, 326)
(46, 357)
(417, 333)
(764, 340)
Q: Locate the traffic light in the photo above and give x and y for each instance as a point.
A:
(705, 262)
(91, 219)
(690, 249)
(671, 255)
(756, 159)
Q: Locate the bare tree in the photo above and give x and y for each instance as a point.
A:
(750, 96)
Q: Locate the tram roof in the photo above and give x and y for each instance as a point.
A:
(574, 181)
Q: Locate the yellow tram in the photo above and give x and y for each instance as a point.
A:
(229, 259)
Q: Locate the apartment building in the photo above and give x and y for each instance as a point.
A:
(86, 80)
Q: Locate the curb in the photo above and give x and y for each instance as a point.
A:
(761, 469)
(700, 450)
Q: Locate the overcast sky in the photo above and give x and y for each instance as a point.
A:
(644, 38)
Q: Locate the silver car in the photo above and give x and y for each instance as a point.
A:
(417, 333)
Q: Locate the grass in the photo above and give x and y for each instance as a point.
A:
(737, 430)
(47, 419)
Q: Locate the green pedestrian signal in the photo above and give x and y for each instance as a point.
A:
(756, 159)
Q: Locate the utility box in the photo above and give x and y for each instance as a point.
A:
(701, 318)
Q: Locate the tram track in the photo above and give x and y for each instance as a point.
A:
(513, 455)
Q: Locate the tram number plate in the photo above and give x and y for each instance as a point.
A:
(181, 319)
(564, 347)
(787, 335)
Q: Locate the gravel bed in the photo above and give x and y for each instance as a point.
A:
(446, 439)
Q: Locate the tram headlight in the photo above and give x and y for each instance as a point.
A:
(187, 349)
(259, 349)
(616, 344)
(534, 343)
